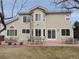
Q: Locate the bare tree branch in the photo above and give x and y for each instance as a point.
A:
(62, 1)
(73, 5)
(18, 11)
(13, 7)
(2, 17)
(22, 6)
(77, 1)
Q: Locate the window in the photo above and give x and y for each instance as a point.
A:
(32, 32)
(38, 17)
(38, 32)
(25, 31)
(68, 32)
(67, 17)
(24, 18)
(65, 32)
(11, 32)
(15, 32)
(51, 34)
(27, 18)
(43, 32)
(11, 26)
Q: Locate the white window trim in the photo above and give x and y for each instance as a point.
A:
(55, 33)
(65, 35)
(14, 32)
(67, 16)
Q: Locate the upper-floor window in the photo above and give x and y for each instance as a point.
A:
(37, 17)
(26, 18)
(67, 17)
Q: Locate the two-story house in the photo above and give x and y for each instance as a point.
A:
(40, 22)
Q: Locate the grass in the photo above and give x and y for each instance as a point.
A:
(40, 53)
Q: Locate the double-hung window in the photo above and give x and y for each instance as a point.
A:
(26, 19)
(38, 17)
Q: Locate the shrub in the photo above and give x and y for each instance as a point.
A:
(9, 43)
(21, 43)
(12, 40)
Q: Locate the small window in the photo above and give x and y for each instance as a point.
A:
(11, 26)
(25, 31)
(67, 18)
(67, 15)
(65, 32)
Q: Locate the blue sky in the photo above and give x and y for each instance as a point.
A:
(31, 3)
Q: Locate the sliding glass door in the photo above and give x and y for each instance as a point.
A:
(51, 34)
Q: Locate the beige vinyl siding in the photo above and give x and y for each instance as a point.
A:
(57, 21)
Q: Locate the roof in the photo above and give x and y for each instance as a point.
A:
(45, 10)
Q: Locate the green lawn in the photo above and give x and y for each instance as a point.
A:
(40, 53)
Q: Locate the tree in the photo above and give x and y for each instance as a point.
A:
(76, 30)
(2, 14)
(68, 4)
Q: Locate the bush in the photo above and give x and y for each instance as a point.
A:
(29, 40)
(12, 40)
(15, 44)
(21, 43)
(9, 43)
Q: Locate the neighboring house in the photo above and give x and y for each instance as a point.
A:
(39, 22)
